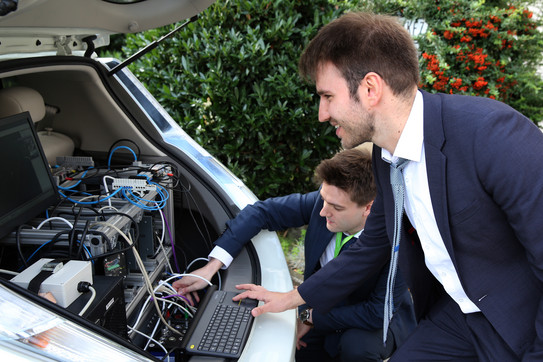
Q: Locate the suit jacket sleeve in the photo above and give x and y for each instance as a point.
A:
(274, 214)
(367, 314)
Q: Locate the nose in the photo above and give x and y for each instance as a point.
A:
(324, 211)
(324, 116)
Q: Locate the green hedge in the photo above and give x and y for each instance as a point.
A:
(231, 81)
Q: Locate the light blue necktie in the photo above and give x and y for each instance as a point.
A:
(396, 181)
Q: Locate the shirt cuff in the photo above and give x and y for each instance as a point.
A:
(222, 255)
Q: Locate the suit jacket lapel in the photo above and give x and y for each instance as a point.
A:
(436, 163)
(348, 244)
(317, 239)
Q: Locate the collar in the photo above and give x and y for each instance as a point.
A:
(411, 140)
(355, 235)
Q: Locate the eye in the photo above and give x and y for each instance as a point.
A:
(325, 96)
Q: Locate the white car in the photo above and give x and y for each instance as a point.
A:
(105, 200)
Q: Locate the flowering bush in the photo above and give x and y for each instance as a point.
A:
(488, 49)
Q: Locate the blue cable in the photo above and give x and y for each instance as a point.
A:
(89, 202)
(47, 242)
(138, 201)
(88, 252)
(76, 192)
(115, 149)
(77, 183)
(127, 193)
(38, 249)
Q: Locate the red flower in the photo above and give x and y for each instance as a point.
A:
(495, 19)
(480, 83)
(457, 83)
(491, 26)
(477, 56)
(527, 13)
(439, 86)
(477, 32)
(474, 23)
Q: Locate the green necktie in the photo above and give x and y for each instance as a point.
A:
(340, 242)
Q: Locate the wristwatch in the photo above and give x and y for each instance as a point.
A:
(305, 315)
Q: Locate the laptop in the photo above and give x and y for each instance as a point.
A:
(220, 327)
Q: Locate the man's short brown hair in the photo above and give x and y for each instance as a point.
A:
(359, 43)
(349, 170)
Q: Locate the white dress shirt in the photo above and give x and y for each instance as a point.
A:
(418, 205)
(222, 255)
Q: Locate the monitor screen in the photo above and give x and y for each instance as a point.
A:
(26, 185)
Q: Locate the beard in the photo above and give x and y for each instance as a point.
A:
(359, 131)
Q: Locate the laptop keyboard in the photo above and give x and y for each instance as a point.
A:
(225, 332)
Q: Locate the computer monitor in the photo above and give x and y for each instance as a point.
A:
(26, 185)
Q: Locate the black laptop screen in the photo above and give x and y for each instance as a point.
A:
(26, 185)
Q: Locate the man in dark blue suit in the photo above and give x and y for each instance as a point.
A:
(335, 216)
(472, 192)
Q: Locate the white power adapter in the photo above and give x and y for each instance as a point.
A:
(62, 283)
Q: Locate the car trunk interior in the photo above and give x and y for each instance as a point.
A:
(91, 115)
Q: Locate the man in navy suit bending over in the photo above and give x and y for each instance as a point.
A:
(335, 215)
(472, 191)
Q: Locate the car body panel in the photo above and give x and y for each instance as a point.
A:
(61, 25)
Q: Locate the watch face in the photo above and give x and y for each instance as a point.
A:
(304, 316)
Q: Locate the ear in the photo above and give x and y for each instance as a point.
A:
(372, 88)
(368, 208)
